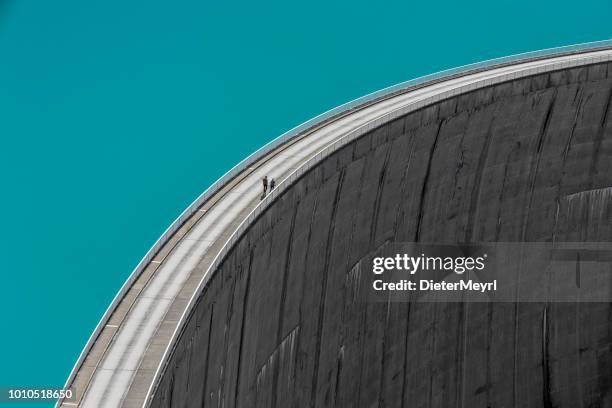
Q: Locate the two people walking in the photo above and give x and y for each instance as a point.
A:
(264, 182)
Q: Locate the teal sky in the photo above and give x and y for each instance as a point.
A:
(115, 115)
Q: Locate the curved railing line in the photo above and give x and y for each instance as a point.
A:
(328, 150)
(298, 131)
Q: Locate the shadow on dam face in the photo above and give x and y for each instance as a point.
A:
(282, 323)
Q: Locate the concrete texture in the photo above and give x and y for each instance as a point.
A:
(282, 322)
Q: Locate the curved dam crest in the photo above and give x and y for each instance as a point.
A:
(282, 322)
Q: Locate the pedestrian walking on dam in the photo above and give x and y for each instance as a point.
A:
(264, 182)
(272, 184)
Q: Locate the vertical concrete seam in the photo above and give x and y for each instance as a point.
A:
(566, 150)
(462, 353)
(322, 301)
(403, 183)
(579, 349)
(383, 361)
(349, 247)
(300, 313)
(363, 334)
(489, 346)
(482, 159)
(204, 394)
(532, 179)
(433, 354)
(228, 319)
(598, 140)
(546, 375)
(535, 165)
(381, 186)
(405, 363)
(281, 306)
(241, 343)
(426, 180)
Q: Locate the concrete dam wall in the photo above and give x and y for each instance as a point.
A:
(282, 323)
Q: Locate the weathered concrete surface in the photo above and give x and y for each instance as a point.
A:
(281, 323)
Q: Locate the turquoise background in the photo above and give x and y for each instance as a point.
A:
(115, 115)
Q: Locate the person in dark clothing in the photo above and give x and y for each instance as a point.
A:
(272, 184)
(264, 181)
